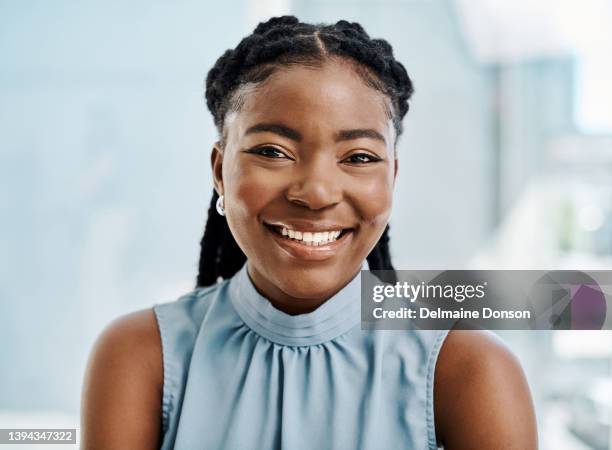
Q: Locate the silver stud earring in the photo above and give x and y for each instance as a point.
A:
(220, 206)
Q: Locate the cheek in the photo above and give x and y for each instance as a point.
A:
(373, 197)
(247, 194)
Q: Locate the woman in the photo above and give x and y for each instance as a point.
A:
(268, 351)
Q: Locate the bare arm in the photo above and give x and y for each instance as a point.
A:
(481, 396)
(122, 389)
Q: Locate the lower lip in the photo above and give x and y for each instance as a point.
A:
(311, 252)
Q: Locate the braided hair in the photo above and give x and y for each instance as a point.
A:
(282, 42)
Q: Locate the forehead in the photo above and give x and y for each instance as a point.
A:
(330, 97)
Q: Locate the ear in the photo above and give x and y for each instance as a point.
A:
(216, 162)
(395, 168)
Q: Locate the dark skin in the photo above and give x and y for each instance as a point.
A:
(315, 170)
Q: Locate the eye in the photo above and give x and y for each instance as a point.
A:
(362, 158)
(269, 152)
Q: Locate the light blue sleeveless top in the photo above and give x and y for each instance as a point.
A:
(240, 374)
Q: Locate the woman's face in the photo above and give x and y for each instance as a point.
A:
(307, 172)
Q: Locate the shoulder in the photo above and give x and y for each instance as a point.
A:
(122, 389)
(131, 340)
(481, 396)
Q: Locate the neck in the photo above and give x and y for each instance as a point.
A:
(289, 304)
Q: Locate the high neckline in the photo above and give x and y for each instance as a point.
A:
(334, 317)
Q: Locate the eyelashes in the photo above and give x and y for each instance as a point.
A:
(362, 158)
(270, 152)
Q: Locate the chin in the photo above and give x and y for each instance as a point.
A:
(308, 285)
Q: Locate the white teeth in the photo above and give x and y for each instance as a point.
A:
(310, 238)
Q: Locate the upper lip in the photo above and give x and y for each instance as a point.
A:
(306, 225)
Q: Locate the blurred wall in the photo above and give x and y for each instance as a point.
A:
(104, 160)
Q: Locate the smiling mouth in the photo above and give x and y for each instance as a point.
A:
(309, 238)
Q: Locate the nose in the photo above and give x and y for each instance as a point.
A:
(316, 185)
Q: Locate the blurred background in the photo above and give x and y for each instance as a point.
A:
(506, 162)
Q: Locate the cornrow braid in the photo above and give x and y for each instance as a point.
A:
(282, 42)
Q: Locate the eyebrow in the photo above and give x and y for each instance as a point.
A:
(275, 128)
(347, 135)
(294, 135)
